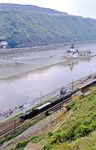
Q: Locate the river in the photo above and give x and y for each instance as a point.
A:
(24, 86)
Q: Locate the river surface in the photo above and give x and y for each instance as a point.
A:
(18, 88)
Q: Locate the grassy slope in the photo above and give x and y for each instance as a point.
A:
(30, 26)
(82, 123)
(79, 130)
(85, 143)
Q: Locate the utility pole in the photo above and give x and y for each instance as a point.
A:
(72, 84)
(90, 73)
(14, 128)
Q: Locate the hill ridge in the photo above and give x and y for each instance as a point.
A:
(37, 26)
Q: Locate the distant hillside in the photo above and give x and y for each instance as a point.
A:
(26, 25)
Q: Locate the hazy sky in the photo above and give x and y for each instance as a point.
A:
(86, 8)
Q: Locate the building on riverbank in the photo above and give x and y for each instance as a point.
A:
(72, 52)
(4, 44)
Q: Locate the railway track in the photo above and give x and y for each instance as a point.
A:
(6, 127)
(15, 124)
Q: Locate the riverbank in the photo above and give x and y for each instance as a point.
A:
(49, 130)
(53, 95)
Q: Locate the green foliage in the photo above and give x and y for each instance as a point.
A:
(35, 139)
(39, 26)
(85, 143)
(21, 144)
(70, 105)
(80, 124)
(50, 134)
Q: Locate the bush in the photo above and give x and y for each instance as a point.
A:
(21, 144)
(70, 105)
(50, 134)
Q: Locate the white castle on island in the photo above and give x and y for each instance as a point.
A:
(72, 52)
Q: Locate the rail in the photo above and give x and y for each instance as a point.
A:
(15, 124)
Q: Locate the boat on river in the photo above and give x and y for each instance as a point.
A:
(72, 52)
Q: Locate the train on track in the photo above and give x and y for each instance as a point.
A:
(44, 107)
(63, 97)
